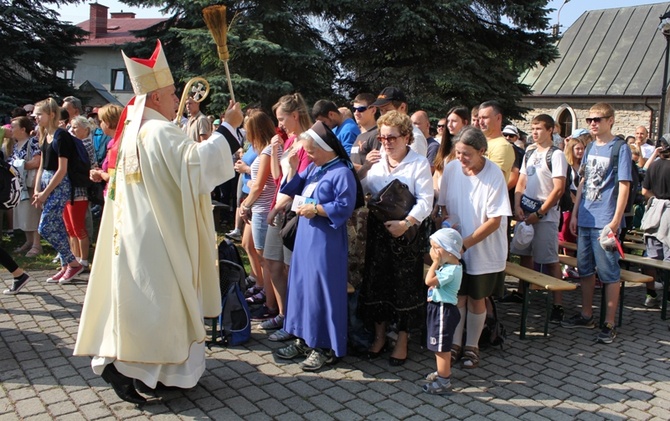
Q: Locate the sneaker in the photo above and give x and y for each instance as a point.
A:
(317, 359)
(70, 273)
(438, 387)
(274, 323)
(256, 298)
(607, 335)
(557, 314)
(234, 235)
(578, 321)
(297, 349)
(652, 302)
(280, 336)
(19, 283)
(57, 277)
(512, 298)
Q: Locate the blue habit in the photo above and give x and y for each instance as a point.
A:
(317, 282)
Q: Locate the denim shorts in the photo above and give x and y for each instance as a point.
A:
(259, 229)
(590, 256)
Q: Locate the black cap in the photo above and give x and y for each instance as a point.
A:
(389, 94)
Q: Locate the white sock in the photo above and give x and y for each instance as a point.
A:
(475, 325)
(84, 262)
(458, 333)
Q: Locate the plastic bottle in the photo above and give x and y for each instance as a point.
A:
(452, 221)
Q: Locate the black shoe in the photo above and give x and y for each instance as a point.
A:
(160, 387)
(122, 385)
(19, 283)
(512, 298)
(396, 362)
(557, 315)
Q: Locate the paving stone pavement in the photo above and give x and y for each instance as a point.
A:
(566, 376)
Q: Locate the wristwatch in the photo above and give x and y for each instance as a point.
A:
(407, 222)
(539, 215)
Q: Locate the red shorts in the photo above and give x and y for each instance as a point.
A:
(74, 217)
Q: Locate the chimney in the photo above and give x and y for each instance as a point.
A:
(123, 15)
(98, 20)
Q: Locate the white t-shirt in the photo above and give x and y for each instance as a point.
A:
(540, 181)
(475, 199)
(646, 150)
(420, 144)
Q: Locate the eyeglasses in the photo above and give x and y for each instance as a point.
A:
(388, 139)
(595, 119)
(509, 135)
(360, 109)
(440, 126)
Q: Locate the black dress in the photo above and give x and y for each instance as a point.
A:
(393, 288)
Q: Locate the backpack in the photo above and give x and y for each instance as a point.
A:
(494, 332)
(10, 186)
(79, 165)
(228, 251)
(235, 318)
(614, 163)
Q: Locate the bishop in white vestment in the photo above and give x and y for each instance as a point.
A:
(155, 275)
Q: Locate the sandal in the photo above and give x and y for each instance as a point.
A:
(24, 248)
(257, 298)
(456, 354)
(34, 251)
(470, 357)
(274, 323)
(280, 336)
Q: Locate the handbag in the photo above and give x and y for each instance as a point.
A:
(393, 203)
(289, 228)
(530, 205)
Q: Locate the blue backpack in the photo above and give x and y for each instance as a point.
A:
(235, 318)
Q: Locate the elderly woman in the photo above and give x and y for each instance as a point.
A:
(317, 295)
(393, 289)
(474, 189)
(75, 211)
(27, 217)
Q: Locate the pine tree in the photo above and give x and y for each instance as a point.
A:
(34, 46)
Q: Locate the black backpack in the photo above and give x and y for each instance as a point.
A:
(614, 164)
(10, 186)
(494, 332)
(78, 165)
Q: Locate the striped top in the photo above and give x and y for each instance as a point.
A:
(264, 202)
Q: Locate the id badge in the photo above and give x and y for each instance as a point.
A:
(309, 190)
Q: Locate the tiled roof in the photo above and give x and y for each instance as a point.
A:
(609, 52)
(118, 31)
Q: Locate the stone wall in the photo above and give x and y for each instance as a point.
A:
(627, 116)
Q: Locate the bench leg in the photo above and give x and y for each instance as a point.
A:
(547, 311)
(665, 275)
(524, 310)
(621, 290)
(603, 306)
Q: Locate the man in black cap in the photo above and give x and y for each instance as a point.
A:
(392, 98)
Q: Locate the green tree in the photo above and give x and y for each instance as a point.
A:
(443, 52)
(34, 45)
(274, 50)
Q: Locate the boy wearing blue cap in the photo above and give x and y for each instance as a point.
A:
(444, 281)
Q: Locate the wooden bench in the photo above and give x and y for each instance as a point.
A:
(629, 245)
(626, 276)
(634, 237)
(662, 266)
(534, 281)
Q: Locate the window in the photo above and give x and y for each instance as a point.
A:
(565, 117)
(121, 81)
(67, 74)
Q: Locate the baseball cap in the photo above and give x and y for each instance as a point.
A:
(609, 240)
(509, 129)
(389, 94)
(523, 235)
(450, 240)
(578, 132)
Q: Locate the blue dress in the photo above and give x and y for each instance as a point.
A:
(317, 283)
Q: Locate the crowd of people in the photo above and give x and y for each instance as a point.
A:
(300, 191)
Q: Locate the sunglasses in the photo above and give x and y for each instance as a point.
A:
(595, 119)
(440, 126)
(360, 109)
(509, 135)
(388, 139)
